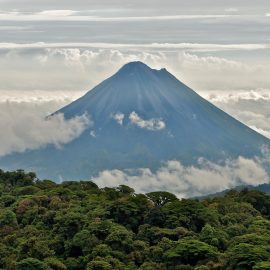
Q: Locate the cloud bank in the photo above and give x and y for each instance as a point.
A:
(39, 68)
(23, 127)
(207, 178)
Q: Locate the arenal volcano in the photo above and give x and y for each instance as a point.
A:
(141, 118)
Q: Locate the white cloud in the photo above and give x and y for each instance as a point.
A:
(93, 134)
(219, 73)
(57, 12)
(24, 127)
(119, 118)
(250, 107)
(153, 124)
(138, 46)
(37, 97)
(80, 69)
(87, 16)
(229, 96)
(264, 132)
(207, 178)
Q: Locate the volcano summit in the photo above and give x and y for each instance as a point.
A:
(141, 118)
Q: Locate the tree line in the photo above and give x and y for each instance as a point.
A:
(77, 225)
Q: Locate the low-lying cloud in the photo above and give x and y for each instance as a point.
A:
(24, 127)
(206, 178)
(152, 124)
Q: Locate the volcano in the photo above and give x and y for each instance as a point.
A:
(141, 118)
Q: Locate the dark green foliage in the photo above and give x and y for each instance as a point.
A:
(262, 266)
(246, 256)
(129, 211)
(160, 198)
(55, 264)
(30, 264)
(190, 214)
(190, 252)
(17, 179)
(78, 226)
(99, 265)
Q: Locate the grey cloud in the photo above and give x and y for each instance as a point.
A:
(137, 21)
(157, 5)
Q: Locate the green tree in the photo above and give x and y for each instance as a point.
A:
(262, 266)
(190, 252)
(245, 256)
(214, 237)
(84, 242)
(188, 213)
(55, 264)
(98, 265)
(129, 211)
(152, 266)
(30, 264)
(160, 198)
(7, 217)
(120, 239)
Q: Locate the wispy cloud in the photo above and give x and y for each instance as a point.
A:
(55, 13)
(73, 15)
(161, 46)
(232, 9)
(14, 28)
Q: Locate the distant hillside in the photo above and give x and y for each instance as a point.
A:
(263, 188)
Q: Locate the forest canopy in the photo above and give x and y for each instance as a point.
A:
(77, 225)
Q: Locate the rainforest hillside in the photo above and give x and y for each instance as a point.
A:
(76, 225)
